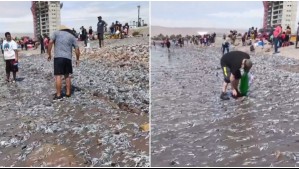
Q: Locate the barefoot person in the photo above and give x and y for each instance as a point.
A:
(231, 64)
(64, 40)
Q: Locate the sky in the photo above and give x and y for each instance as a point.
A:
(16, 16)
(234, 14)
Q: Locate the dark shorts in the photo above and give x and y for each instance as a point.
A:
(10, 67)
(100, 36)
(63, 66)
(168, 45)
(227, 72)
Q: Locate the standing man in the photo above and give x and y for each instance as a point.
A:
(42, 45)
(100, 30)
(84, 35)
(297, 38)
(64, 40)
(168, 44)
(231, 64)
(276, 36)
(11, 57)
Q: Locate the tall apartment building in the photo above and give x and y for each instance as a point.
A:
(46, 17)
(280, 12)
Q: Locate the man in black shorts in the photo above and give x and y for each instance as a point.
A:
(100, 30)
(64, 40)
(231, 64)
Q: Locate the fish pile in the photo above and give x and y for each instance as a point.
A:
(191, 126)
(98, 126)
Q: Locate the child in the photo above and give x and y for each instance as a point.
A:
(88, 48)
(225, 45)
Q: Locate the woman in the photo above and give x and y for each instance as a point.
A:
(244, 39)
(288, 36)
(46, 42)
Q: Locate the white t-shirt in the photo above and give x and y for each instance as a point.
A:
(9, 48)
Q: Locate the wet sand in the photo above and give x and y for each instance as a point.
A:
(98, 126)
(192, 127)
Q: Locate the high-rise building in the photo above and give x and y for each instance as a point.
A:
(46, 17)
(280, 12)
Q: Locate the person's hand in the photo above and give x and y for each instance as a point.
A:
(77, 63)
(235, 93)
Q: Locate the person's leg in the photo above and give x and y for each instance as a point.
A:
(68, 84)
(68, 72)
(14, 73)
(226, 74)
(297, 40)
(58, 72)
(223, 49)
(275, 45)
(58, 84)
(99, 38)
(85, 41)
(224, 88)
(7, 70)
(102, 41)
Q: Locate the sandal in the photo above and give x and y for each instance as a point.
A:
(57, 97)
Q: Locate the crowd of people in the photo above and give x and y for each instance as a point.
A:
(203, 40)
(116, 30)
(64, 40)
(22, 42)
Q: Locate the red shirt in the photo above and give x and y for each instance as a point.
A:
(277, 31)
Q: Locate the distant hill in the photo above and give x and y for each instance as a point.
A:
(156, 30)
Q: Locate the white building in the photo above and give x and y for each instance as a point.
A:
(46, 17)
(281, 12)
